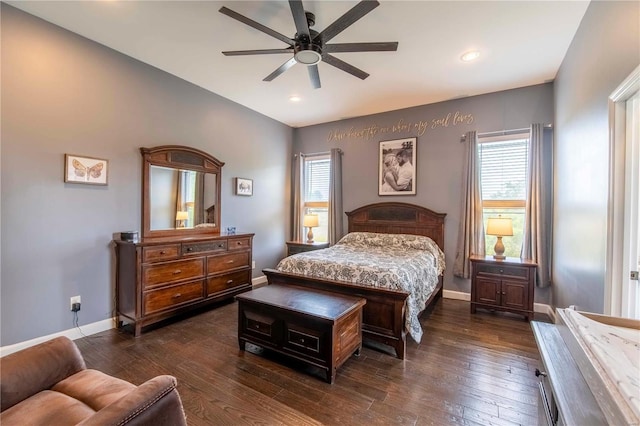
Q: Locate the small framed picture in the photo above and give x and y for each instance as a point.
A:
(397, 167)
(244, 186)
(88, 170)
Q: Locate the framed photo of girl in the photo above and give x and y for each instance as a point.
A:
(397, 167)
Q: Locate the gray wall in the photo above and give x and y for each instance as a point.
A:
(440, 155)
(61, 94)
(605, 50)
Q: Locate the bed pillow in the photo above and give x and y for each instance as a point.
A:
(406, 241)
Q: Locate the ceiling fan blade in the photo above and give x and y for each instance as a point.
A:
(291, 62)
(314, 76)
(257, 52)
(361, 47)
(300, 18)
(340, 64)
(340, 24)
(250, 22)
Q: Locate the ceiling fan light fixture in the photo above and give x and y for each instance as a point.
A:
(469, 56)
(308, 54)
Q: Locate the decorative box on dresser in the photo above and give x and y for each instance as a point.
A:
(161, 278)
(295, 247)
(503, 285)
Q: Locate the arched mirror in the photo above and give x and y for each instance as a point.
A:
(180, 192)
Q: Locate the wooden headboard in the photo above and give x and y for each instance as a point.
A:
(398, 218)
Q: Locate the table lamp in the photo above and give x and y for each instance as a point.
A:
(500, 227)
(181, 216)
(310, 220)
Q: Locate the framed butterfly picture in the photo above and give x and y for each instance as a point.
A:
(88, 170)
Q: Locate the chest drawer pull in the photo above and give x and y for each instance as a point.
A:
(175, 296)
(229, 261)
(502, 271)
(177, 271)
(229, 281)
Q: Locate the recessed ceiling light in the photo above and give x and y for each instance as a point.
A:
(470, 56)
(294, 98)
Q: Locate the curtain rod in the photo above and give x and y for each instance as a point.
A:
(504, 132)
(313, 154)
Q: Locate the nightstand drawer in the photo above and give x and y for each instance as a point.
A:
(502, 270)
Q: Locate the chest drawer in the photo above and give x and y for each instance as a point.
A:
(195, 248)
(239, 243)
(158, 253)
(503, 270)
(227, 262)
(163, 273)
(170, 297)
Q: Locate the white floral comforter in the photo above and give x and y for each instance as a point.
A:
(410, 263)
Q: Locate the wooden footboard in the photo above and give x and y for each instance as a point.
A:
(382, 317)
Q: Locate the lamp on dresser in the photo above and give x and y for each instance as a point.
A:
(310, 221)
(181, 216)
(500, 227)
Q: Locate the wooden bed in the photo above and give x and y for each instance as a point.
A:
(383, 315)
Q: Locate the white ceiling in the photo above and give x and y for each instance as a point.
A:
(522, 43)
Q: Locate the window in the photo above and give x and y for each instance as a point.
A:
(503, 168)
(316, 193)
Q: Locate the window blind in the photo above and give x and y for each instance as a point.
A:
(503, 166)
(317, 179)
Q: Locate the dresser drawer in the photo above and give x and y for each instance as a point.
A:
(163, 273)
(158, 253)
(227, 281)
(239, 243)
(196, 248)
(227, 262)
(170, 297)
(503, 270)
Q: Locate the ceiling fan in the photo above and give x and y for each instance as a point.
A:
(310, 47)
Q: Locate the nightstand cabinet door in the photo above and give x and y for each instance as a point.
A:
(487, 290)
(505, 285)
(514, 294)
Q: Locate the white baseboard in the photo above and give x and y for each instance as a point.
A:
(457, 295)
(72, 333)
(85, 330)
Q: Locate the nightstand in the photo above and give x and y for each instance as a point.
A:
(294, 247)
(503, 285)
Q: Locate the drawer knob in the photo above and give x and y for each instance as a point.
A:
(238, 243)
(189, 248)
(175, 296)
(540, 373)
(229, 261)
(504, 292)
(177, 271)
(163, 252)
(501, 271)
(229, 281)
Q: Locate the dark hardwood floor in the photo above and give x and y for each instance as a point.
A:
(468, 369)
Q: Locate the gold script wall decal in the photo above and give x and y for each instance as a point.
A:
(419, 127)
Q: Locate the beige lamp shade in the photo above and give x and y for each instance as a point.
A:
(501, 226)
(180, 215)
(310, 220)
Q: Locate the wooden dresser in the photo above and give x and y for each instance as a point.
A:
(159, 278)
(503, 285)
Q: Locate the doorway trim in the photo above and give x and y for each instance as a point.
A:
(615, 209)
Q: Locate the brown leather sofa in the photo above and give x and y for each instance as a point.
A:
(49, 384)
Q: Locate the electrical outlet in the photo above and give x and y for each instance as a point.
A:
(75, 299)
